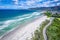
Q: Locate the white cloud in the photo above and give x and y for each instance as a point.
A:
(9, 7)
(58, 3)
(56, 0)
(30, 2)
(15, 1)
(52, 5)
(35, 3)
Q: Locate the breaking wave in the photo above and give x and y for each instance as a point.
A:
(15, 21)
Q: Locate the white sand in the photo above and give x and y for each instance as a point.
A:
(26, 32)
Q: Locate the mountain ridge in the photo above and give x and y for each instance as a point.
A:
(54, 8)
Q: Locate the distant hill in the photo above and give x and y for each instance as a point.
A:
(55, 8)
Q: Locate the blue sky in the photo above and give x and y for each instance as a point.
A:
(25, 4)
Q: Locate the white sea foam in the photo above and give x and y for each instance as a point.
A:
(22, 16)
(36, 13)
(18, 18)
(6, 23)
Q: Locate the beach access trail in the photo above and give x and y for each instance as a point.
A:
(45, 28)
(25, 32)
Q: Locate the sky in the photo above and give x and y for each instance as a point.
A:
(25, 4)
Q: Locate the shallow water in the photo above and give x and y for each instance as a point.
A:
(12, 22)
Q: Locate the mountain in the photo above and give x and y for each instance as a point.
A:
(55, 8)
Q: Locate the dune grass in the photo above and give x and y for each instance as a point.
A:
(38, 34)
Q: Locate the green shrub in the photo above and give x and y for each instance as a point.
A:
(49, 14)
(53, 31)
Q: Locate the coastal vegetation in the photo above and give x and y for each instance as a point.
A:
(56, 15)
(48, 14)
(38, 34)
(53, 31)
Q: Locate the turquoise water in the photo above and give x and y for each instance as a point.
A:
(9, 24)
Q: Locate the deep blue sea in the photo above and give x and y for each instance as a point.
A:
(10, 19)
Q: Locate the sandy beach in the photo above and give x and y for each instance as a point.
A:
(25, 32)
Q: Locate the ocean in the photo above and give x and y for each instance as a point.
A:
(10, 19)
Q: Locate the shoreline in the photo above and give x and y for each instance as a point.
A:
(19, 27)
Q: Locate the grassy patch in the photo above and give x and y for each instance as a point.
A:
(48, 14)
(38, 34)
(53, 31)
